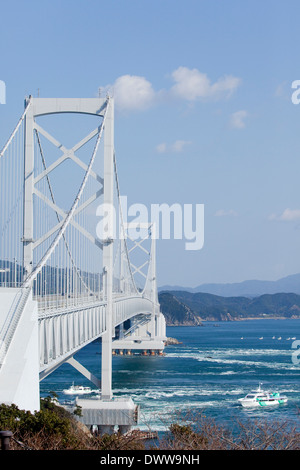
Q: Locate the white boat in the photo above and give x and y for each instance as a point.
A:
(260, 397)
(77, 390)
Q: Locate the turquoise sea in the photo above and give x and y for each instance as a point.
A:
(214, 366)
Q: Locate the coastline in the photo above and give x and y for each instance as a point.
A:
(202, 323)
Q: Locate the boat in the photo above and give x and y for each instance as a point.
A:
(260, 397)
(77, 390)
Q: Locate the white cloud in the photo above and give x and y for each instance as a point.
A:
(288, 215)
(132, 92)
(237, 119)
(226, 213)
(177, 146)
(161, 148)
(191, 84)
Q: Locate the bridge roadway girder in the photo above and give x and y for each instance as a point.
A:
(63, 333)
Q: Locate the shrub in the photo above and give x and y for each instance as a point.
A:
(51, 427)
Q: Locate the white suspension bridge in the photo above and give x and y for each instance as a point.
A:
(61, 286)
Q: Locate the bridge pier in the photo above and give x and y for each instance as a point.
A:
(19, 365)
(105, 429)
(108, 414)
(146, 338)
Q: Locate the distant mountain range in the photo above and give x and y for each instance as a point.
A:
(187, 308)
(252, 288)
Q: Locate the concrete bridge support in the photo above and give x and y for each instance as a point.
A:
(19, 371)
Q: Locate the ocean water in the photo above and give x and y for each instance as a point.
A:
(214, 366)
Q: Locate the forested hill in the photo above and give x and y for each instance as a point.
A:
(186, 308)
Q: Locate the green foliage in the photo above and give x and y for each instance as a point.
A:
(181, 431)
(51, 422)
(78, 411)
(181, 307)
(11, 418)
(175, 311)
(182, 436)
(55, 428)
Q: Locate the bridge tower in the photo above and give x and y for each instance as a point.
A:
(53, 302)
(27, 382)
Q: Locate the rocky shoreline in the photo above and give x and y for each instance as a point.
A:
(172, 341)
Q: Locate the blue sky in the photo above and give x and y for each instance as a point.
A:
(203, 114)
